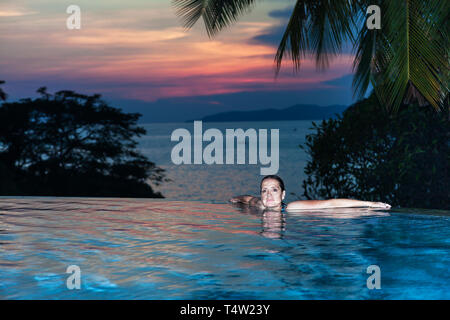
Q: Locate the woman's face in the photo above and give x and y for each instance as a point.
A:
(271, 194)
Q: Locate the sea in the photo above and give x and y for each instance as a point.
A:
(219, 182)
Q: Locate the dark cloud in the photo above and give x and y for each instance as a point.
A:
(283, 14)
(342, 82)
(272, 35)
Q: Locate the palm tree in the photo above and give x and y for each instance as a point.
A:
(2, 93)
(406, 60)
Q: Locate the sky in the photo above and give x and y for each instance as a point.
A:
(139, 57)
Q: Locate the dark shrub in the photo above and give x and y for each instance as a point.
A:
(69, 144)
(366, 154)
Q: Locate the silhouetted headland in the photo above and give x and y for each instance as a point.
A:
(296, 112)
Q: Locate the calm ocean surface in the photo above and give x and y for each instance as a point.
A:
(221, 182)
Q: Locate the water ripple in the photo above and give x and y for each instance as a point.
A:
(157, 249)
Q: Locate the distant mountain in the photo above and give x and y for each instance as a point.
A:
(296, 112)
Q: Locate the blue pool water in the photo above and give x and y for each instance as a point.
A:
(160, 249)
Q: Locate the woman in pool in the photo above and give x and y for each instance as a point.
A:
(273, 193)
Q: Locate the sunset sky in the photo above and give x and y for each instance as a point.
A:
(137, 54)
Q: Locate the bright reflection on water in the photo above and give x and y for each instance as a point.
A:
(151, 249)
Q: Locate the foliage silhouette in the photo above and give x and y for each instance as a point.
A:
(69, 144)
(3, 95)
(403, 160)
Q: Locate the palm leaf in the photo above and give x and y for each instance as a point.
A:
(409, 58)
(294, 40)
(330, 26)
(216, 14)
(319, 27)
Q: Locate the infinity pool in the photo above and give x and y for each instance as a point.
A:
(159, 249)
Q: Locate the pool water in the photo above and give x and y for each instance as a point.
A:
(159, 249)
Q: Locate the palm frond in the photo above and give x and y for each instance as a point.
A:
(365, 47)
(330, 26)
(413, 60)
(216, 14)
(294, 40)
(319, 28)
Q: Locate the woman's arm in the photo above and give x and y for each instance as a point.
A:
(334, 203)
(250, 200)
(241, 199)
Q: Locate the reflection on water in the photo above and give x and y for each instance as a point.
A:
(156, 249)
(273, 222)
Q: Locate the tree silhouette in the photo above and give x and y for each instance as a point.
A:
(402, 160)
(69, 144)
(3, 95)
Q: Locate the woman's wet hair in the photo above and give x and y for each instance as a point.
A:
(274, 177)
